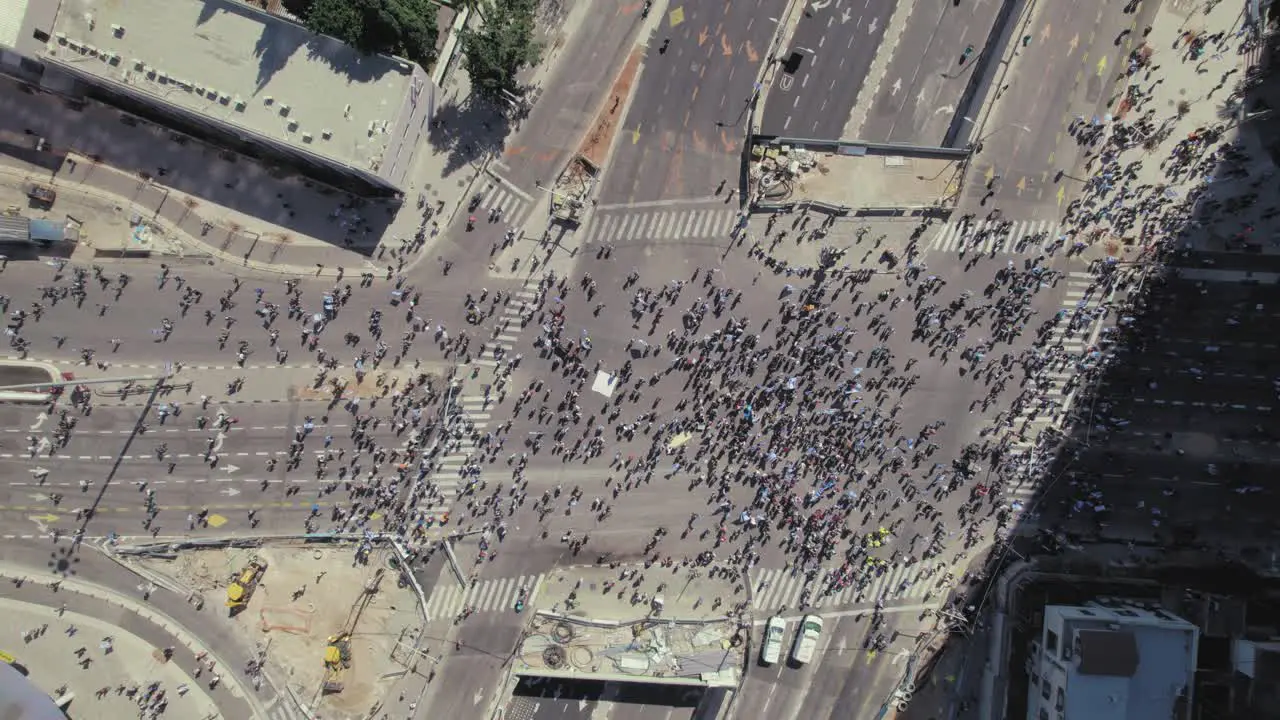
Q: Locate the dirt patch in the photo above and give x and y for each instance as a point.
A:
(595, 147)
(307, 595)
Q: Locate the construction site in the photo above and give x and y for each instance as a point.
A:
(333, 621)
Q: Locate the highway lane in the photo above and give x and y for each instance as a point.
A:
(917, 99)
(137, 314)
(238, 483)
(841, 681)
(1183, 422)
(943, 392)
(683, 133)
(603, 34)
(1067, 70)
(838, 43)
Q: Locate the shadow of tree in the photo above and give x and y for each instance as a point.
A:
(468, 131)
(275, 46)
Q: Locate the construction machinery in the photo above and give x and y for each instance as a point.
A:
(244, 583)
(337, 658)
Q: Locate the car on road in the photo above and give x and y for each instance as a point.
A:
(806, 639)
(771, 649)
(330, 308)
(793, 62)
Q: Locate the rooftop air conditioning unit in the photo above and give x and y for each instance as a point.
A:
(326, 133)
(138, 64)
(284, 109)
(117, 30)
(62, 38)
(239, 104)
(306, 137)
(293, 124)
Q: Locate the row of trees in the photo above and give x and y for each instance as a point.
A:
(496, 46)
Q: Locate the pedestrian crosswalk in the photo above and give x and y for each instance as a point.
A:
(512, 205)
(781, 588)
(627, 225)
(1059, 392)
(1026, 236)
(494, 595)
(473, 407)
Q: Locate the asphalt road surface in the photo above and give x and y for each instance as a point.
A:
(1182, 430)
(599, 37)
(1066, 71)
(683, 133)
(837, 42)
(917, 99)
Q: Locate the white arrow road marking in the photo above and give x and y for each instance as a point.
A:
(229, 492)
(231, 468)
(820, 4)
(38, 497)
(897, 85)
(900, 656)
(39, 471)
(39, 421)
(475, 699)
(44, 445)
(875, 23)
(845, 16)
(218, 439)
(920, 97)
(948, 109)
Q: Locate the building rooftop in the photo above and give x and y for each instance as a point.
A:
(1129, 665)
(249, 69)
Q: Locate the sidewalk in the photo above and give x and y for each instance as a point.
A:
(61, 640)
(142, 630)
(1199, 88)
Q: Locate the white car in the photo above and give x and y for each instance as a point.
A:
(806, 639)
(774, 631)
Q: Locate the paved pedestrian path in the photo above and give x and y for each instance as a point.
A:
(88, 655)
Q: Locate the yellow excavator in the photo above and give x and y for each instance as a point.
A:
(244, 583)
(337, 658)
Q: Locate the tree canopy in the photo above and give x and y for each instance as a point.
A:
(406, 28)
(501, 46)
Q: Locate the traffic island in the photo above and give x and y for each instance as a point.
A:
(844, 179)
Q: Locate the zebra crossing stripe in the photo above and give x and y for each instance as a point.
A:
(689, 223)
(899, 582)
(953, 236)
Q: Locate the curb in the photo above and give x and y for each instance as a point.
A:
(613, 624)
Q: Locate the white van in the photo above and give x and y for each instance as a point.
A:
(806, 639)
(771, 648)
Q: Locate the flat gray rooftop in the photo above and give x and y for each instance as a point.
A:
(249, 69)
